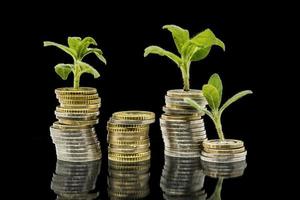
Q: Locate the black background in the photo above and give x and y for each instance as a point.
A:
(130, 81)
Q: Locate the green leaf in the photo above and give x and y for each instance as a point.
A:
(86, 68)
(212, 96)
(85, 43)
(206, 39)
(200, 54)
(180, 35)
(216, 81)
(160, 51)
(63, 70)
(234, 98)
(198, 107)
(74, 42)
(66, 49)
(97, 52)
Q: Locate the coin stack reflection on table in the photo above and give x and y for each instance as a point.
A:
(182, 178)
(74, 134)
(224, 170)
(227, 151)
(128, 136)
(128, 180)
(182, 126)
(75, 180)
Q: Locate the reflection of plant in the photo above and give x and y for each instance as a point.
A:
(78, 49)
(190, 49)
(216, 195)
(213, 94)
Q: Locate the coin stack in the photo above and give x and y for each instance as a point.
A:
(182, 178)
(128, 136)
(224, 170)
(75, 180)
(128, 180)
(226, 151)
(73, 134)
(181, 125)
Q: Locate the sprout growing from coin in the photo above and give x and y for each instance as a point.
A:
(77, 48)
(190, 49)
(212, 91)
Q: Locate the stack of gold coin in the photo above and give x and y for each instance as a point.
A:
(75, 180)
(128, 180)
(223, 151)
(74, 133)
(182, 178)
(224, 170)
(128, 136)
(181, 125)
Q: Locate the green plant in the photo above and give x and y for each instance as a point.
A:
(77, 48)
(213, 94)
(190, 49)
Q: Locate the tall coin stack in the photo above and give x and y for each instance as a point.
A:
(182, 178)
(75, 180)
(128, 136)
(74, 133)
(128, 180)
(181, 125)
(227, 151)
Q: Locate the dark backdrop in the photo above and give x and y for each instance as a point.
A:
(130, 81)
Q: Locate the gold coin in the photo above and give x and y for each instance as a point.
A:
(80, 102)
(192, 117)
(181, 93)
(78, 122)
(133, 115)
(76, 110)
(82, 106)
(70, 126)
(78, 97)
(173, 106)
(113, 125)
(127, 140)
(225, 151)
(225, 144)
(127, 130)
(73, 91)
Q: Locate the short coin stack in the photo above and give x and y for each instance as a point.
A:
(223, 151)
(73, 134)
(181, 125)
(75, 180)
(182, 178)
(128, 136)
(224, 170)
(128, 180)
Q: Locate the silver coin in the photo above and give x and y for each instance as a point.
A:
(221, 155)
(81, 130)
(222, 160)
(181, 126)
(171, 111)
(79, 159)
(78, 147)
(167, 129)
(178, 121)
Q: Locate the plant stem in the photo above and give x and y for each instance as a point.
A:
(219, 128)
(185, 71)
(76, 76)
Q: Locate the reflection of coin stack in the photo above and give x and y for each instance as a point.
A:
(227, 151)
(182, 179)
(128, 136)
(182, 127)
(224, 170)
(128, 180)
(75, 180)
(73, 134)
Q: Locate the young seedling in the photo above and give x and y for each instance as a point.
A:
(77, 49)
(190, 49)
(213, 94)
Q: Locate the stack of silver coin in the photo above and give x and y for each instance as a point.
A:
(182, 126)
(75, 180)
(128, 136)
(128, 180)
(224, 170)
(74, 134)
(182, 178)
(223, 151)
